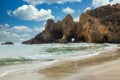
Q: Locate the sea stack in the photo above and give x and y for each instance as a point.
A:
(8, 43)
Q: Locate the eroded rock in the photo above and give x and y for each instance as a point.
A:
(99, 25)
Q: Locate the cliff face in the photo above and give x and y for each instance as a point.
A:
(103, 24)
(98, 25)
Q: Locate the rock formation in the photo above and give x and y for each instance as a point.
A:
(99, 25)
(7, 43)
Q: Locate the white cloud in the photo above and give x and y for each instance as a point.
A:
(68, 10)
(115, 1)
(38, 29)
(76, 19)
(4, 26)
(37, 2)
(29, 12)
(98, 3)
(18, 33)
(22, 29)
(8, 36)
(9, 12)
(44, 23)
(4, 34)
(25, 35)
(14, 35)
(88, 8)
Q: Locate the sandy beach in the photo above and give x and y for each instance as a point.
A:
(108, 71)
(100, 67)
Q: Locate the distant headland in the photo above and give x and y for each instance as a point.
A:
(100, 25)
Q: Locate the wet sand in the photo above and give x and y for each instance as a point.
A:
(106, 71)
(105, 66)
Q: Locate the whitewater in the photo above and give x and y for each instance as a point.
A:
(21, 57)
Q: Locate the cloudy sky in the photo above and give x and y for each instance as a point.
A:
(22, 19)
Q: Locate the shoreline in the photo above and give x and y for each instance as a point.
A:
(69, 69)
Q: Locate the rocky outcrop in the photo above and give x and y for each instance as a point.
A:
(103, 24)
(60, 31)
(8, 43)
(99, 25)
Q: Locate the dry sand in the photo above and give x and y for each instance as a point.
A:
(106, 71)
(105, 66)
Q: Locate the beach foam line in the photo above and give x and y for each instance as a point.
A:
(39, 57)
(26, 67)
(8, 72)
(111, 47)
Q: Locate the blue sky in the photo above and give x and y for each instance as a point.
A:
(22, 19)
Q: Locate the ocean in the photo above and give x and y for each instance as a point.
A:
(17, 57)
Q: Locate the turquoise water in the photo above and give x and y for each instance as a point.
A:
(21, 54)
